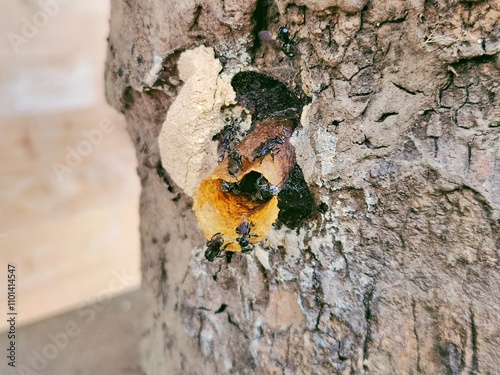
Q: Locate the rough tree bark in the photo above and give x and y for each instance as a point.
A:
(397, 270)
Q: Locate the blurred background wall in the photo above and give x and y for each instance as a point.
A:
(68, 186)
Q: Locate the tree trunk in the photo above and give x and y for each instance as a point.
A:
(396, 270)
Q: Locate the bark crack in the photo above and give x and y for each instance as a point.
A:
(198, 336)
(162, 173)
(216, 274)
(408, 91)
(287, 350)
(197, 14)
(343, 255)
(260, 18)
(367, 300)
(385, 116)
(340, 357)
(473, 328)
(397, 20)
(414, 314)
(318, 318)
(469, 155)
(444, 88)
(231, 321)
(366, 142)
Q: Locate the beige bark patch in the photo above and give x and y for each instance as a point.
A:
(301, 141)
(187, 151)
(283, 309)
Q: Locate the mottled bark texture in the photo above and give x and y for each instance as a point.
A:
(397, 272)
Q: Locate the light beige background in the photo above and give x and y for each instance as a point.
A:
(73, 237)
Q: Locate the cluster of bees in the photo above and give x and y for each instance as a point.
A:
(215, 248)
(227, 139)
(260, 190)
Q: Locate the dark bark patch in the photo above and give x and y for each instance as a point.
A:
(221, 309)
(295, 201)
(266, 97)
(162, 173)
(128, 98)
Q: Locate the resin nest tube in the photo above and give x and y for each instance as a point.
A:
(245, 185)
